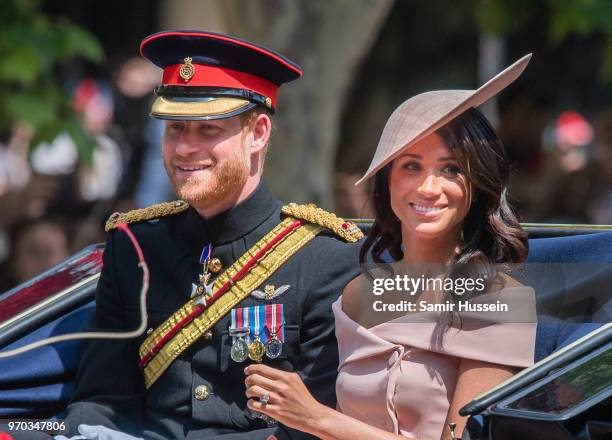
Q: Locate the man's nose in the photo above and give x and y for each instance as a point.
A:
(187, 143)
(430, 186)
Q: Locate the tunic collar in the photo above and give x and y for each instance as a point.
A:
(237, 221)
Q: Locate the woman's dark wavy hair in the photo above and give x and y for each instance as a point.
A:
(491, 231)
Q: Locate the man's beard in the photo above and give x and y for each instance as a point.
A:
(221, 182)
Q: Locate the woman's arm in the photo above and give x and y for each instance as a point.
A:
(291, 404)
(474, 378)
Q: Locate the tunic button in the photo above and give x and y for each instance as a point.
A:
(201, 392)
(208, 335)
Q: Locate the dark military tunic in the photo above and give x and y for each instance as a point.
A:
(202, 394)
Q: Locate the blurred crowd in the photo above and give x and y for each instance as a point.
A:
(54, 199)
(568, 179)
(53, 202)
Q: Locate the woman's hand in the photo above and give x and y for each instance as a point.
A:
(289, 401)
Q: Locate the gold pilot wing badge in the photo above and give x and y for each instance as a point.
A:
(187, 69)
(270, 292)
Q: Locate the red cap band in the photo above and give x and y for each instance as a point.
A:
(212, 76)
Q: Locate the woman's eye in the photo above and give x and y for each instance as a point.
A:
(451, 169)
(411, 166)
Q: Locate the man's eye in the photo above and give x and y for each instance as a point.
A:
(209, 129)
(176, 126)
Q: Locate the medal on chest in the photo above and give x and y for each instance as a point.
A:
(204, 286)
(256, 347)
(274, 325)
(240, 349)
(257, 332)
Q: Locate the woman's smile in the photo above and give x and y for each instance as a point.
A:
(427, 211)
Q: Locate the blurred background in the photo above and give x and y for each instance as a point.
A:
(76, 142)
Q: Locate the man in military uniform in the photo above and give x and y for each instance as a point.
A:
(235, 276)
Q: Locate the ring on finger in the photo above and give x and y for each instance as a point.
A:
(265, 398)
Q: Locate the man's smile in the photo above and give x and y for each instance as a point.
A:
(187, 170)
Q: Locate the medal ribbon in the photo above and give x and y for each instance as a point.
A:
(253, 313)
(206, 253)
(262, 321)
(261, 314)
(236, 318)
(274, 321)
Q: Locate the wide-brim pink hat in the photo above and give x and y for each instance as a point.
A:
(423, 114)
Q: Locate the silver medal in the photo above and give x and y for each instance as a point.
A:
(274, 347)
(240, 350)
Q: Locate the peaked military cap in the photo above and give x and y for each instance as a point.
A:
(208, 75)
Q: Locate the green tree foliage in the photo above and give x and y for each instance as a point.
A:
(565, 18)
(32, 45)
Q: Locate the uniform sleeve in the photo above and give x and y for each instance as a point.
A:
(317, 363)
(109, 387)
(334, 266)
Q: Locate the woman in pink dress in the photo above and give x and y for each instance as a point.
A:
(441, 179)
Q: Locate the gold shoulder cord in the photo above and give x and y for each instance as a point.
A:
(313, 214)
(138, 215)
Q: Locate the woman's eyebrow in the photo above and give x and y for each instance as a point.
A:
(418, 156)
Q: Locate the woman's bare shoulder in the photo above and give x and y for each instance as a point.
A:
(504, 281)
(351, 298)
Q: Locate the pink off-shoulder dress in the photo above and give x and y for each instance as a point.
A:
(390, 376)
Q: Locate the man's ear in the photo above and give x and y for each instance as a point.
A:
(261, 128)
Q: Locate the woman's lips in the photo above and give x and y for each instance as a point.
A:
(428, 211)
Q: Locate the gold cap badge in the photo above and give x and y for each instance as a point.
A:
(187, 70)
